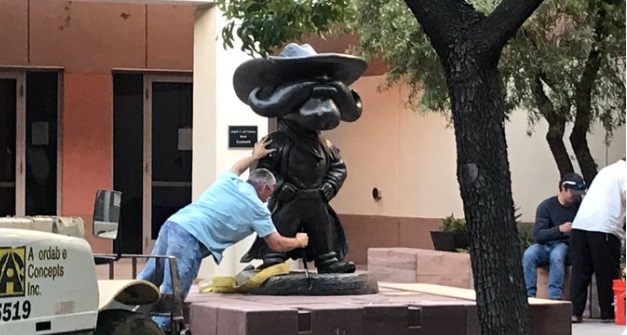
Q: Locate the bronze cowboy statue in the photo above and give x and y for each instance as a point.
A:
(307, 92)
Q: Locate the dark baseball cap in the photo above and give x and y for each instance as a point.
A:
(574, 182)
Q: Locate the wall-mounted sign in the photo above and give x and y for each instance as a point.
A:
(242, 136)
(185, 139)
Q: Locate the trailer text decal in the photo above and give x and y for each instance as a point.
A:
(14, 310)
(12, 283)
(44, 264)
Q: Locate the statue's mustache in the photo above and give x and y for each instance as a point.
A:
(289, 97)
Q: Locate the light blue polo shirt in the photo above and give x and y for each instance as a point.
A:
(226, 213)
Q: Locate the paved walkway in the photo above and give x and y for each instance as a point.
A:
(594, 327)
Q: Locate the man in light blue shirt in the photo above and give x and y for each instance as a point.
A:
(226, 213)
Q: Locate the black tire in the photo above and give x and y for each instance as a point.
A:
(295, 283)
(124, 322)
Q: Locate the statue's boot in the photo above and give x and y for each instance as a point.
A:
(271, 259)
(328, 263)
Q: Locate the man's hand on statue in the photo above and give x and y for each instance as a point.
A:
(303, 239)
(260, 150)
(287, 192)
(327, 191)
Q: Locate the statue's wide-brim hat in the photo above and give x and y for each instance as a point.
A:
(294, 63)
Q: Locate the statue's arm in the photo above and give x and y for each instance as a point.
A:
(336, 175)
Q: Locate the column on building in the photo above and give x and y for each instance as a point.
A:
(216, 107)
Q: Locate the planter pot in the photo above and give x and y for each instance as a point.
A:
(449, 241)
(461, 240)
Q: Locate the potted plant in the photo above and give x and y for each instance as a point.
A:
(451, 236)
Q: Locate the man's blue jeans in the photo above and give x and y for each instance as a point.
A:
(175, 241)
(551, 254)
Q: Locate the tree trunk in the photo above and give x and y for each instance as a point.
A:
(557, 125)
(485, 183)
(468, 45)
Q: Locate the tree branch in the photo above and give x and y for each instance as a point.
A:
(583, 99)
(503, 23)
(544, 103)
(443, 21)
(591, 68)
(557, 125)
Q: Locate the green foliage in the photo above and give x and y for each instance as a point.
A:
(263, 24)
(525, 231)
(555, 41)
(525, 234)
(397, 38)
(517, 215)
(452, 224)
(555, 44)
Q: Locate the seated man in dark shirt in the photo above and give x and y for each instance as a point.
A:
(554, 217)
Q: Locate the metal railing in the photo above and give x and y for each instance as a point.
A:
(169, 304)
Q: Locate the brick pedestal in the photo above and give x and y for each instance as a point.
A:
(417, 309)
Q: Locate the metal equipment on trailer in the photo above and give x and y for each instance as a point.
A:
(48, 281)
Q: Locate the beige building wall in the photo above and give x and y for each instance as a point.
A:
(411, 158)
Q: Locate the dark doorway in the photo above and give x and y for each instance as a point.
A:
(8, 111)
(171, 150)
(128, 106)
(41, 142)
(152, 153)
(28, 143)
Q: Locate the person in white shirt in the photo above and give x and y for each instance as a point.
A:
(595, 240)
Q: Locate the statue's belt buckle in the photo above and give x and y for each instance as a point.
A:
(308, 194)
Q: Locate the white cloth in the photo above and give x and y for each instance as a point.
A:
(602, 209)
